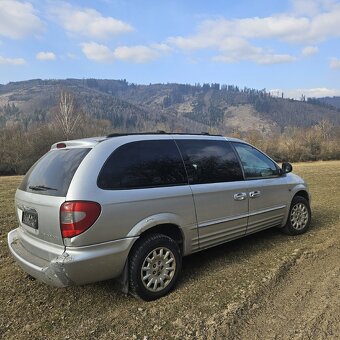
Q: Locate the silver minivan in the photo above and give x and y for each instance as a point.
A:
(131, 206)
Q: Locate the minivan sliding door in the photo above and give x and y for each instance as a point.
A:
(218, 188)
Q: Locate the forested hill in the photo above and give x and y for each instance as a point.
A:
(332, 101)
(176, 107)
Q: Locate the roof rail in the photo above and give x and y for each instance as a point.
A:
(135, 133)
(159, 132)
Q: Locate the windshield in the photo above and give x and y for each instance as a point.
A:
(52, 174)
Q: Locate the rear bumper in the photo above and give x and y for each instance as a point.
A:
(76, 265)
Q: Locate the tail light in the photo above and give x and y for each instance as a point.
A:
(77, 216)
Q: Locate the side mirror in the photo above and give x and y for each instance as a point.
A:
(286, 167)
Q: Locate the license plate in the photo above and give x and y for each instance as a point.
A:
(30, 218)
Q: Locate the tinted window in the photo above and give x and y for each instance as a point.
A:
(255, 163)
(209, 161)
(143, 164)
(52, 174)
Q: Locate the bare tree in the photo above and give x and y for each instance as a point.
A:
(325, 129)
(67, 117)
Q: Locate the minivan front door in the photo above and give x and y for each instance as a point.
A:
(218, 187)
(267, 190)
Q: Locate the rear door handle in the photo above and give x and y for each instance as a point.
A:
(240, 196)
(254, 194)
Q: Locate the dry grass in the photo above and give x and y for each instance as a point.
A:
(212, 281)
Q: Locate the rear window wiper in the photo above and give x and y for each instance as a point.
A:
(41, 188)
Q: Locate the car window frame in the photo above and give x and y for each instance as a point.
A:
(221, 140)
(144, 187)
(243, 170)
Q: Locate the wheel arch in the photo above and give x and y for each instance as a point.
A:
(168, 224)
(302, 193)
(169, 229)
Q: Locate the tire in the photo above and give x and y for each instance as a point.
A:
(154, 266)
(299, 217)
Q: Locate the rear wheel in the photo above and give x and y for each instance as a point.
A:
(154, 267)
(299, 217)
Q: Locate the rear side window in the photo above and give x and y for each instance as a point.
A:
(209, 161)
(254, 162)
(52, 174)
(143, 164)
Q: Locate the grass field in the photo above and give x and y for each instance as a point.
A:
(216, 285)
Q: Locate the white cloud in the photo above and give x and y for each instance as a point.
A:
(309, 22)
(308, 93)
(263, 59)
(43, 56)
(259, 58)
(162, 47)
(309, 50)
(232, 42)
(237, 49)
(335, 63)
(284, 27)
(11, 61)
(89, 22)
(311, 7)
(97, 52)
(270, 58)
(134, 54)
(18, 19)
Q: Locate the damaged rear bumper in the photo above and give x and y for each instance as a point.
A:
(74, 265)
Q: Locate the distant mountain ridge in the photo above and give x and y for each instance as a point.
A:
(176, 107)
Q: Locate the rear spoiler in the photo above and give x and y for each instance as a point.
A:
(78, 143)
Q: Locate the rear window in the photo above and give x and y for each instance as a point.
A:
(52, 174)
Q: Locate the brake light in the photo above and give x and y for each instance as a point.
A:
(77, 216)
(61, 145)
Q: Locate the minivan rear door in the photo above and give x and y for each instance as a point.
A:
(218, 188)
(43, 190)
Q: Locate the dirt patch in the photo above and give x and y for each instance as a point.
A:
(245, 118)
(303, 305)
(267, 285)
(301, 300)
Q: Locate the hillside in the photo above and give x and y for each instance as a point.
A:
(333, 101)
(176, 107)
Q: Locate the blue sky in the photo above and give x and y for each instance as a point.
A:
(288, 45)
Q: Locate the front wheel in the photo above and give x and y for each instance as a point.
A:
(299, 217)
(154, 267)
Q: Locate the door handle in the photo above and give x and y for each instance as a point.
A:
(254, 194)
(240, 196)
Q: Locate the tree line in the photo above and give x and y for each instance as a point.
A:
(22, 144)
